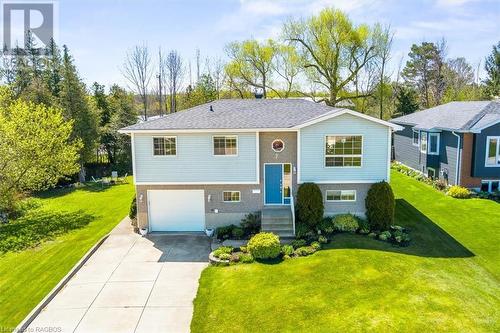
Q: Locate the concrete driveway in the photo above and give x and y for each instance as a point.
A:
(131, 284)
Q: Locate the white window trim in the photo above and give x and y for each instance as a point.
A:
(225, 136)
(433, 169)
(231, 201)
(343, 167)
(163, 137)
(421, 137)
(355, 195)
(437, 144)
(418, 138)
(489, 181)
(497, 156)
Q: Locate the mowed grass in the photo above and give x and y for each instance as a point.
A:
(447, 280)
(26, 277)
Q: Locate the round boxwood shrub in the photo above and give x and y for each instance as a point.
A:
(309, 206)
(345, 223)
(264, 245)
(380, 206)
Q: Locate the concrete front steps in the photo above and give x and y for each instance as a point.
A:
(278, 220)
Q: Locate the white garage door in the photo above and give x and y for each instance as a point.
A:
(176, 210)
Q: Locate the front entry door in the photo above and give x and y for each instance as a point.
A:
(273, 174)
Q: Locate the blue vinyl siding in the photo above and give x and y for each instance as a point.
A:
(375, 150)
(479, 168)
(195, 161)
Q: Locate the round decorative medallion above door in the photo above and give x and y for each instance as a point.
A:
(278, 145)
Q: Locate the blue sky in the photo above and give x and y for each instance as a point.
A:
(99, 33)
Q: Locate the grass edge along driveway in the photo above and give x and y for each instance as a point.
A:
(447, 280)
(26, 277)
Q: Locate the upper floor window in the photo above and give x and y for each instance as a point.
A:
(434, 143)
(423, 142)
(225, 145)
(493, 151)
(343, 150)
(416, 138)
(165, 146)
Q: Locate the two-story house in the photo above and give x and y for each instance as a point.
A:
(458, 142)
(211, 164)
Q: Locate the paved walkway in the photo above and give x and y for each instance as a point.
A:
(131, 284)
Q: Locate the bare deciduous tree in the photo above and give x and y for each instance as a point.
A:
(174, 70)
(384, 55)
(138, 69)
(215, 69)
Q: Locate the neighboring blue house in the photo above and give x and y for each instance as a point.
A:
(210, 165)
(458, 142)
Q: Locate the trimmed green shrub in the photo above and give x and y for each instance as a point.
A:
(326, 225)
(309, 206)
(251, 223)
(264, 245)
(224, 256)
(223, 250)
(380, 206)
(458, 192)
(401, 238)
(225, 232)
(303, 230)
(304, 251)
(322, 239)
(364, 227)
(385, 235)
(316, 245)
(298, 243)
(246, 258)
(132, 213)
(345, 223)
(286, 257)
(237, 233)
(287, 250)
(243, 249)
(372, 235)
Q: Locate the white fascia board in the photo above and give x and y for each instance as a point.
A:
(208, 130)
(341, 181)
(196, 183)
(334, 114)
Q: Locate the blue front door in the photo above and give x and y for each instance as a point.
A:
(273, 184)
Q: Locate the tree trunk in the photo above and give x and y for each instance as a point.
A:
(81, 174)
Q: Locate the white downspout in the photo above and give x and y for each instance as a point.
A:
(457, 170)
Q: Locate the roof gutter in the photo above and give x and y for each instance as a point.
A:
(457, 169)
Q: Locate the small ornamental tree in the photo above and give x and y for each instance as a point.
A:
(309, 206)
(380, 206)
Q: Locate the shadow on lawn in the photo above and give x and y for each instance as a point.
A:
(428, 239)
(38, 226)
(86, 187)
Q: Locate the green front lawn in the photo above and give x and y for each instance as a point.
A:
(447, 280)
(27, 276)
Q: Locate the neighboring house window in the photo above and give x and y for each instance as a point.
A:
(225, 145)
(165, 146)
(416, 138)
(490, 185)
(434, 143)
(343, 151)
(340, 195)
(423, 142)
(431, 173)
(231, 196)
(493, 151)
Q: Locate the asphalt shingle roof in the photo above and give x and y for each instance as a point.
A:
(239, 114)
(457, 116)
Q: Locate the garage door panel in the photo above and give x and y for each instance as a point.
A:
(176, 210)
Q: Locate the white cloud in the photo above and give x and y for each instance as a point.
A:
(452, 3)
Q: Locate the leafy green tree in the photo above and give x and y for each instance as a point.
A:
(492, 67)
(79, 108)
(251, 62)
(52, 68)
(406, 100)
(123, 113)
(36, 148)
(333, 51)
